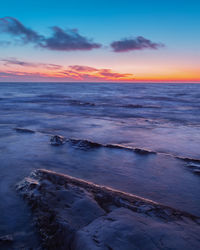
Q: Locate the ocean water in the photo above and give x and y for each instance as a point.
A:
(163, 118)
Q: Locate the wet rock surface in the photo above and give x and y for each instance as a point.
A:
(126, 230)
(84, 144)
(24, 130)
(57, 140)
(5, 240)
(194, 167)
(196, 171)
(74, 214)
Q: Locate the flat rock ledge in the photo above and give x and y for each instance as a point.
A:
(77, 215)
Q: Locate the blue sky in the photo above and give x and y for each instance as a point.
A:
(172, 23)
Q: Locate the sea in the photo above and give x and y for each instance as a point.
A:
(153, 130)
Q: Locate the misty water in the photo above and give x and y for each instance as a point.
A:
(163, 118)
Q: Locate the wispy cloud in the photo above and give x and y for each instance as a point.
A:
(80, 68)
(16, 76)
(86, 73)
(138, 43)
(32, 71)
(63, 40)
(13, 61)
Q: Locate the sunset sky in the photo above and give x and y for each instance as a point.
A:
(100, 41)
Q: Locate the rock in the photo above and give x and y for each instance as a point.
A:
(123, 229)
(24, 130)
(117, 146)
(6, 239)
(145, 208)
(57, 140)
(189, 160)
(143, 151)
(194, 165)
(60, 210)
(136, 150)
(196, 171)
(85, 144)
(74, 214)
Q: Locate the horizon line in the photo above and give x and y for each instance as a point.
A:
(146, 82)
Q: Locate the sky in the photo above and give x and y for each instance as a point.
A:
(100, 41)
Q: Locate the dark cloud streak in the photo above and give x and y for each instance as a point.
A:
(68, 40)
(13, 27)
(61, 40)
(14, 61)
(138, 43)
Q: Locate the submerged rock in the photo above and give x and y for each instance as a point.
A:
(196, 171)
(143, 151)
(6, 239)
(74, 214)
(85, 144)
(57, 140)
(189, 160)
(24, 130)
(195, 167)
(132, 149)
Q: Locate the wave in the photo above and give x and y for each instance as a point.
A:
(132, 106)
(58, 99)
(53, 96)
(80, 103)
(64, 99)
(135, 106)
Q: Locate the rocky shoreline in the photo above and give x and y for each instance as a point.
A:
(74, 214)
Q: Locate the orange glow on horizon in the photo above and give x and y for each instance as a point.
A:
(182, 76)
(78, 73)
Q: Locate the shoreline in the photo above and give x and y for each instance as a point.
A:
(68, 212)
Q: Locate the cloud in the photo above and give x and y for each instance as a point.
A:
(30, 72)
(20, 76)
(15, 28)
(68, 40)
(139, 43)
(61, 40)
(86, 73)
(82, 68)
(13, 61)
(110, 74)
